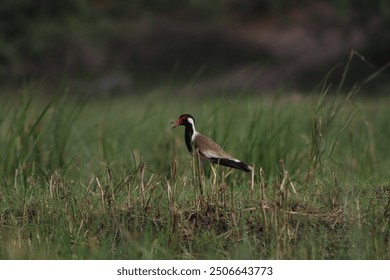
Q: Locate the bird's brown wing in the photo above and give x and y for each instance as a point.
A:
(209, 149)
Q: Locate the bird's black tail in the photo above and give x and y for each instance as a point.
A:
(232, 163)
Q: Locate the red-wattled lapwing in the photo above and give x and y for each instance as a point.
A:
(205, 147)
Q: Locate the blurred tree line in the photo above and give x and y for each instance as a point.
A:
(33, 32)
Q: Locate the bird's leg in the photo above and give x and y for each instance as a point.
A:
(198, 167)
(223, 190)
(213, 169)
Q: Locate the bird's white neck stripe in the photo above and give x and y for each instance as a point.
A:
(191, 121)
(193, 136)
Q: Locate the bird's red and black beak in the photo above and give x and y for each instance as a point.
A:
(177, 123)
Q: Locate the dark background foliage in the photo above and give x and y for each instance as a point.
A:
(126, 45)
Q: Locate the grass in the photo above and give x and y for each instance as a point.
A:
(109, 179)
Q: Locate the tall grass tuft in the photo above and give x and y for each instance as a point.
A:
(111, 180)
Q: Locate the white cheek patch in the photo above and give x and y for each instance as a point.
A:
(191, 121)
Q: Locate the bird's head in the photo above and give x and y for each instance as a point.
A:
(185, 119)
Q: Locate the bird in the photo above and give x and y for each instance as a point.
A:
(206, 148)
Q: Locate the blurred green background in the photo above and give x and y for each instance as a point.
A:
(124, 47)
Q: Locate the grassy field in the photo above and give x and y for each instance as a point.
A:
(109, 178)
